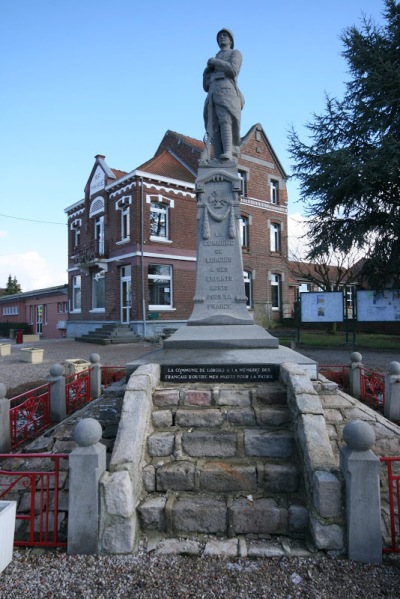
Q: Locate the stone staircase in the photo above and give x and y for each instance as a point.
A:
(222, 461)
(110, 333)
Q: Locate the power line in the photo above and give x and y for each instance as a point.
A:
(45, 222)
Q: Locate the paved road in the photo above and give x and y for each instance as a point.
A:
(14, 372)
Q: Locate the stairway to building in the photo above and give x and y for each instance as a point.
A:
(110, 333)
(222, 461)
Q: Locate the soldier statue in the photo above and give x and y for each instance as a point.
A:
(224, 103)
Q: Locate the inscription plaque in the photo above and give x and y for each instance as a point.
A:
(220, 373)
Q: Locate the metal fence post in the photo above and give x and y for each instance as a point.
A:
(355, 374)
(87, 462)
(95, 376)
(5, 435)
(392, 392)
(58, 409)
(360, 468)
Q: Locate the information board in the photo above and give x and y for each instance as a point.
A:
(324, 306)
(378, 306)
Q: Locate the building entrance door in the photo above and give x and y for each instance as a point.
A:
(125, 294)
(39, 319)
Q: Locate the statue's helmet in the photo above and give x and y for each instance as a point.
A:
(229, 32)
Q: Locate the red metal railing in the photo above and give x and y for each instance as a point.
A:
(338, 374)
(37, 494)
(77, 391)
(112, 374)
(372, 389)
(393, 483)
(29, 414)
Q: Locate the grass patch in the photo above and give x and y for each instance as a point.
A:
(373, 341)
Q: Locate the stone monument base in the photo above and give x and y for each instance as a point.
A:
(219, 365)
(247, 336)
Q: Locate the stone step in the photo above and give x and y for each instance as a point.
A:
(272, 394)
(254, 476)
(203, 514)
(252, 442)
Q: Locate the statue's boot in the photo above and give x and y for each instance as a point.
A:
(226, 138)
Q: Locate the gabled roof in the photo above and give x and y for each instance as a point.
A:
(250, 133)
(118, 174)
(111, 174)
(168, 165)
(187, 149)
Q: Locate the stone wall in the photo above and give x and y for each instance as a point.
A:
(323, 482)
(121, 485)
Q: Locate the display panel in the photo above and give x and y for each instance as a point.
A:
(381, 306)
(324, 306)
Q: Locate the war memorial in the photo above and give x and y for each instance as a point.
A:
(221, 342)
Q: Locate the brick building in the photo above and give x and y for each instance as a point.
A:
(44, 310)
(132, 239)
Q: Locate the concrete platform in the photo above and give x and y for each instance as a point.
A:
(244, 336)
(228, 357)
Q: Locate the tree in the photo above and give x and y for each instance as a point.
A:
(349, 170)
(332, 271)
(12, 286)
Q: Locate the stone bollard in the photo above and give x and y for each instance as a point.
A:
(5, 437)
(95, 376)
(392, 392)
(360, 468)
(87, 462)
(58, 406)
(355, 374)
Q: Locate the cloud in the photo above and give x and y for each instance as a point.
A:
(32, 271)
(297, 227)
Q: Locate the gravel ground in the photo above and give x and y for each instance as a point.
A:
(39, 574)
(151, 576)
(14, 372)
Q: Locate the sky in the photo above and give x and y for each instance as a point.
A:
(86, 77)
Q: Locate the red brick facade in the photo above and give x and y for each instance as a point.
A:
(133, 236)
(44, 310)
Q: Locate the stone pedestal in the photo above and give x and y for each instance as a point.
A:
(220, 318)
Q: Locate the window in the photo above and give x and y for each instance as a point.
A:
(248, 288)
(125, 223)
(275, 237)
(243, 181)
(244, 231)
(76, 232)
(159, 220)
(76, 293)
(61, 307)
(77, 237)
(99, 233)
(274, 191)
(160, 286)
(276, 292)
(98, 290)
(10, 311)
